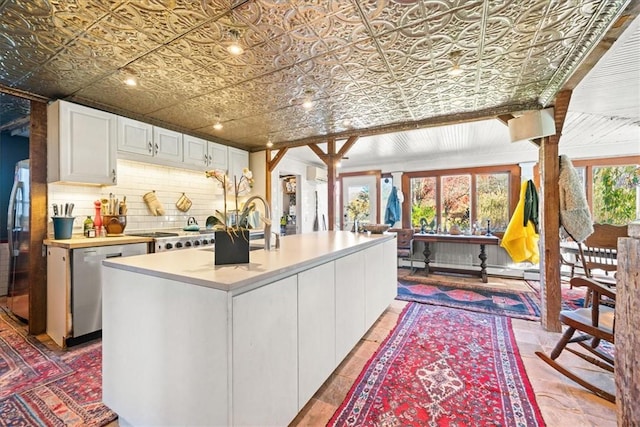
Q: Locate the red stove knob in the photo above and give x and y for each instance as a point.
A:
(168, 246)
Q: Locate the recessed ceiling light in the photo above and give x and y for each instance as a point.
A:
(217, 125)
(131, 81)
(307, 104)
(234, 47)
(346, 123)
(269, 144)
(455, 69)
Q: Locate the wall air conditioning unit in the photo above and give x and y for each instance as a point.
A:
(315, 173)
(532, 125)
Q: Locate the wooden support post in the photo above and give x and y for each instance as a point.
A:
(331, 183)
(550, 295)
(38, 221)
(627, 321)
(550, 285)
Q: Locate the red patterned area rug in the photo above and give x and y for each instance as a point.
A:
(443, 367)
(522, 305)
(41, 388)
(572, 298)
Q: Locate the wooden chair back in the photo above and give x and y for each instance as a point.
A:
(404, 237)
(599, 250)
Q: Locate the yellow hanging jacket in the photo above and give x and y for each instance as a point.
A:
(520, 240)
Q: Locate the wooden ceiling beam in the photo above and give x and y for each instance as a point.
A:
(271, 164)
(347, 146)
(321, 154)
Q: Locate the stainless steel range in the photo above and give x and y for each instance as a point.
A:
(174, 240)
(169, 240)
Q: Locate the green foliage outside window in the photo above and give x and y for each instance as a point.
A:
(358, 208)
(614, 194)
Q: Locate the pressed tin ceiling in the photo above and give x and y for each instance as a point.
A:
(368, 66)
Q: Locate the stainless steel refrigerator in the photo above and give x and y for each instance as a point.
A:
(18, 235)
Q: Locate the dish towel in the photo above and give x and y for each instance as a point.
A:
(520, 240)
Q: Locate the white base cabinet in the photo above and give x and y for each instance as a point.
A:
(265, 355)
(250, 358)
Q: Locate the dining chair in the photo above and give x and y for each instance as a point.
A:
(404, 241)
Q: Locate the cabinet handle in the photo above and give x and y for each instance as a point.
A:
(156, 152)
(150, 147)
(113, 175)
(206, 160)
(209, 160)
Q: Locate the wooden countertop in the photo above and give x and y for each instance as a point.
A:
(78, 241)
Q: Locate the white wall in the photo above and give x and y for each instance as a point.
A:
(134, 180)
(306, 194)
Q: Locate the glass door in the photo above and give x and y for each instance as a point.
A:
(359, 201)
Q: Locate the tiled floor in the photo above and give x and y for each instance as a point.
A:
(562, 402)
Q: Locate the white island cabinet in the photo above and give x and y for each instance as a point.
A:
(189, 343)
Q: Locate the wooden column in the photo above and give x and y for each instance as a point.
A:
(38, 221)
(627, 337)
(331, 183)
(550, 296)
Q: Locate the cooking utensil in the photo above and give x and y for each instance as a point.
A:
(55, 210)
(71, 205)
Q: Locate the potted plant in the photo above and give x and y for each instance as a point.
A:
(231, 232)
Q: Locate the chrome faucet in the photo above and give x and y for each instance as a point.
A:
(266, 219)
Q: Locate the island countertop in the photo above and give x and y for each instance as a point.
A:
(297, 252)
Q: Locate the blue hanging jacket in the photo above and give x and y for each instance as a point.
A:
(392, 213)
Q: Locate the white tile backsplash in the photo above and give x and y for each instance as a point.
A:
(136, 179)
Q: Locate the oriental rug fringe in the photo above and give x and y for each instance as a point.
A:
(522, 305)
(39, 387)
(443, 367)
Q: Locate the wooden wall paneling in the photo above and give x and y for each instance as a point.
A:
(38, 176)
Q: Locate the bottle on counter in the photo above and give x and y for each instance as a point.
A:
(88, 225)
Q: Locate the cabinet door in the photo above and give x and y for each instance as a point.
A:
(238, 160)
(87, 145)
(316, 329)
(135, 137)
(195, 152)
(265, 355)
(167, 144)
(350, 302)
(218, 157)
(58, 294)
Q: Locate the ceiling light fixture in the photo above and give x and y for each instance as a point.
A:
(217, 125)
(455, 69)
(234, 48)
(129, 77)
(307, 104)
(269, 143)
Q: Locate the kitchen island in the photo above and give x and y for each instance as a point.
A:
(189, 343)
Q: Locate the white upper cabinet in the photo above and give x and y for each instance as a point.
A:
(135, 137)
(202, 154)
(238, 160)
(167, 144)
(147, 143)
(81, 144)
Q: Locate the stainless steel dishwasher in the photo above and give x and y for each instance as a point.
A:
(86, 284)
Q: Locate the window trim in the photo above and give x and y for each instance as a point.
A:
(513, 170)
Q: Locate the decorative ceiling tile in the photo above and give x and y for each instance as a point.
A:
(375, 62)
